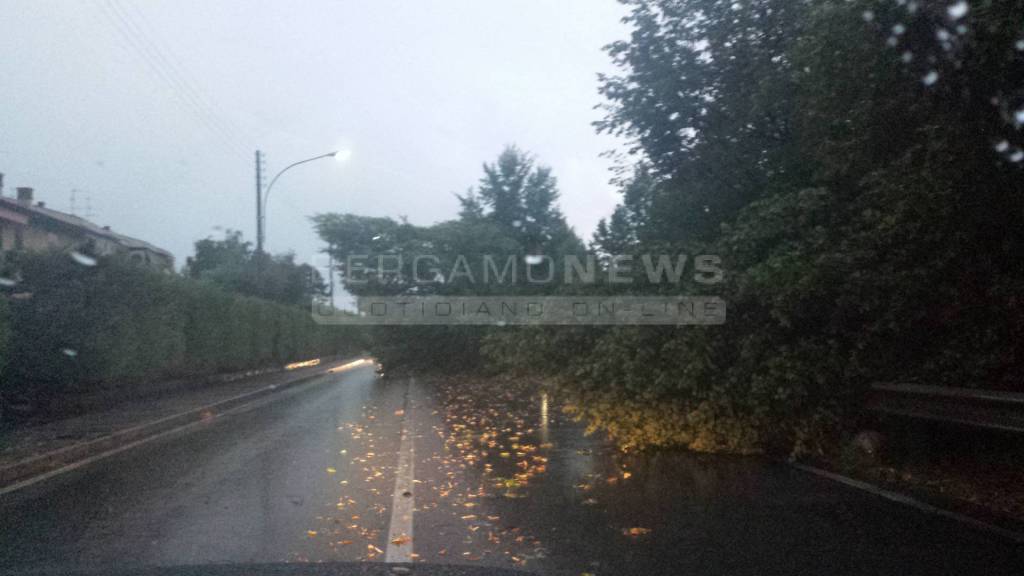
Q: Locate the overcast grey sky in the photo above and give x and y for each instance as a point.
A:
(153, 108)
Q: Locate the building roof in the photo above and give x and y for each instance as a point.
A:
(80, 224)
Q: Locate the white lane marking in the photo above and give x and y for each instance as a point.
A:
(402, 502)
(912, 502)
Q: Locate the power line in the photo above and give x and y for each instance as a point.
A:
(177, 79)
(174, 65)
(123, 29)
(152, 60)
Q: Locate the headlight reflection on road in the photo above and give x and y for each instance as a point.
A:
(303, 364)
(350, 365)
(544, 417)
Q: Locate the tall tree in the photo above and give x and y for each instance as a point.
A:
(857, 165)
(512, 214)
(232, 264)
(691, 98)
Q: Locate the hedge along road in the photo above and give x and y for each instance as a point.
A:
(495, 477)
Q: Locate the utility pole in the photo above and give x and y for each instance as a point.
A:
(259, 203)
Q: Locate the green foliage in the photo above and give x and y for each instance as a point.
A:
(858, 167)
(868, 214)
(233, 265)
(113, 323)
(513, 213)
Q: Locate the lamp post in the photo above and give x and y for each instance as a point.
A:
(262, 196)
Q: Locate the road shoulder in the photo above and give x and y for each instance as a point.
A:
(35, 452)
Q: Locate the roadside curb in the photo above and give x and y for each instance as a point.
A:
(1011, 535)
(24, 472)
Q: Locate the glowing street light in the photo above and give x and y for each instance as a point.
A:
(263, 196)
(342, 156)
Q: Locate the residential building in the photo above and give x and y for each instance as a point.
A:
(26, 225)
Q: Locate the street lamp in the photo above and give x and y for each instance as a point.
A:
(262, 196)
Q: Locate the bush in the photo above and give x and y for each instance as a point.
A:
(112, 323)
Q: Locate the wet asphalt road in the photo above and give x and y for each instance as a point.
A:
(498, 478)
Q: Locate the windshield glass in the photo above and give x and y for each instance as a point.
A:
(577, 287)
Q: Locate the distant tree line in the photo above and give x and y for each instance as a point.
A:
(513, 212)
(232, 264)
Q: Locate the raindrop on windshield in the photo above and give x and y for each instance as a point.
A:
(534, 259)
(83, 259)
(958, 10)
(930, 78)
(1002, 146)
(7, 282)
(69, 352)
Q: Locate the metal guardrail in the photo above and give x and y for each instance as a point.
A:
(994, 410)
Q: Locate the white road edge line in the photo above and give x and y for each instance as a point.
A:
(912, 502)
(399, 547)
(262, 400)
